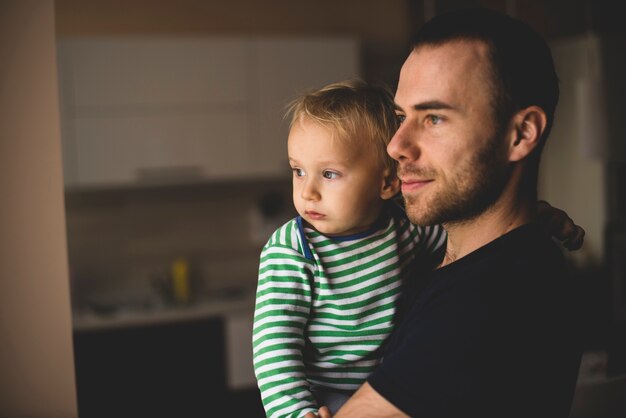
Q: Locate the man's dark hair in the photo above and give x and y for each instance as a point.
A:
(523, 72)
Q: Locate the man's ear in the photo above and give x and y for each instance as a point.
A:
(390, 185)
(529, 125)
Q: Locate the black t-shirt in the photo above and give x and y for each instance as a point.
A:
(492, 334)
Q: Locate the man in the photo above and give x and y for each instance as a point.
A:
(491, 332)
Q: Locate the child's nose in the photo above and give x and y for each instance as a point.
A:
(309, 191)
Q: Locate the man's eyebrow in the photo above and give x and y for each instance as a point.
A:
(430, 105)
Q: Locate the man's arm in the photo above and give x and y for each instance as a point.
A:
(365, 403)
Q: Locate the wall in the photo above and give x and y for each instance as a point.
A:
(36, 363)
(573, 163)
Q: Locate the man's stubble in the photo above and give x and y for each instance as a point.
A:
(473, 188)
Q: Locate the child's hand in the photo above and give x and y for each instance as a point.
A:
(323, 412)
(560, 225)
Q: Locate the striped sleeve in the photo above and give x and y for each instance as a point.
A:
(431, 238)
(424, 240)
(283, 304)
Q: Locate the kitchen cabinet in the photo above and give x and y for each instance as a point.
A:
(114, 72)
(175, 369)
(156, 148)
(137, 111)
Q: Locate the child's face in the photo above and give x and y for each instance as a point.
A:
(338, 187)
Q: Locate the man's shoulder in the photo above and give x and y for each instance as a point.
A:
(529, 282)
(530, 250)
(525, 248)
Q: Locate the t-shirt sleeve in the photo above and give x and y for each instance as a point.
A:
(283, 303)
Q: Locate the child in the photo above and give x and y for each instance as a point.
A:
(329, 279)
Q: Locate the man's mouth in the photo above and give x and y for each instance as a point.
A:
(412, 185)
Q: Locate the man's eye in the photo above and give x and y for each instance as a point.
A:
(434, 119)
(330, 175)
(400, 119)
(298, 172)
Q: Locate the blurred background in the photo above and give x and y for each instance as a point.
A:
(175, 174)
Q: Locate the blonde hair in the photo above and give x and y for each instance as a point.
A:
(355, 111)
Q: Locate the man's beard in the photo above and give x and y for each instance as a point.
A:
(475, 187)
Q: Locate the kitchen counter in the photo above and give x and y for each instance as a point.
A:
(88, 320)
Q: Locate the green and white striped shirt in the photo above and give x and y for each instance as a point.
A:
(325, 306)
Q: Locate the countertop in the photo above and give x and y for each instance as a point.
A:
(88, 320)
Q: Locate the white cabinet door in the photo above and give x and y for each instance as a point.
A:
(286, 69)
(159, 149)
(154, 110)
(130, 73)
(181, 110)
(238, 336)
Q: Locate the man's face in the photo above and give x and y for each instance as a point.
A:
(452, 161)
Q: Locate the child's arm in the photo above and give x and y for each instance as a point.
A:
(560, 225)
(283, 303)
(427, 243)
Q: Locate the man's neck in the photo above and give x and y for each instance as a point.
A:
(467, 236)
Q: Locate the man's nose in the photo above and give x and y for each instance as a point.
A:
(309, 190)
(404, 144)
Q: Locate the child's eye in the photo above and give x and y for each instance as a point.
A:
(330, 175)
(298, 172)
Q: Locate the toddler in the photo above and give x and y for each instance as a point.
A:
(330, 278)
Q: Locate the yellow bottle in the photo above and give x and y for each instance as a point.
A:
(180, 281)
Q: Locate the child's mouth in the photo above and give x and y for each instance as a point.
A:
(314, 215)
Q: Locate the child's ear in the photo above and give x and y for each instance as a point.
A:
(390, 186)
